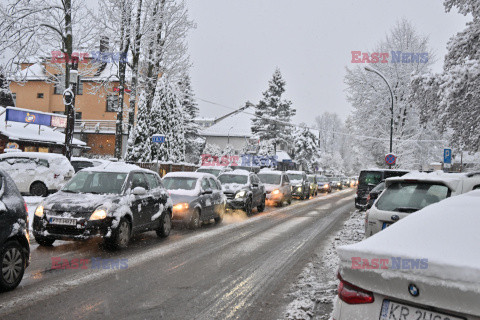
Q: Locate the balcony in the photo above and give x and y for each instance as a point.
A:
(98, 126)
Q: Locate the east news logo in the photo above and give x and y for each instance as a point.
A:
(30, 117)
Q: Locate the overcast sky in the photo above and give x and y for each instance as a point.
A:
(238, 44)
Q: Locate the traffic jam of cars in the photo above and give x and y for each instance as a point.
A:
(114, 201)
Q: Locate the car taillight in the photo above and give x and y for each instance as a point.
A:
(26, 208)
(351, 294)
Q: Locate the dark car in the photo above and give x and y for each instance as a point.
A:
(196, 197)
(243, 190)
(113, 201)
(324, 184)
(14, 240)
(373, 195)
(300, 184)
(369, 179)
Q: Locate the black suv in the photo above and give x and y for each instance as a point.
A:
(14, 240)
(369, 179)
(113, 201)
(243, 190)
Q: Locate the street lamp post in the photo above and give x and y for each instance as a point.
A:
(391, 108)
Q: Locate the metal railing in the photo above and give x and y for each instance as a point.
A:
(98, 126)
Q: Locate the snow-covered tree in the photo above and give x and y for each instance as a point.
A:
(139, 147)
(370, 97)
(192, 143)
(452, 98)
(168, 118)
(273, 114)
(306, 149)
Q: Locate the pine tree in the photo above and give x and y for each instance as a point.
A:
(167, 118)
(192, 143)
(139, 142)
(306, 149)
(272, 112)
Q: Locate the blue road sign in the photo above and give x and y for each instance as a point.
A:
(447, 155)
(158, 138)
(390, 159)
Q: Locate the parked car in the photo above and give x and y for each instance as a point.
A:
(369, 179)
(79, 163)
(14, 239)
(324, 184)
(423, 267)
(37, 173)
(415, 191)
(300, 184)
(216, 171)
(277, 186)
(113, 201)
(373, 195)
(313, 184)
(196, 197)
(243, 190)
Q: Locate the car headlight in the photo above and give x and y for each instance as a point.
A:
(299, 189)
(179, 207)
(99, 214)
(325, 186)
(240, 194)
(39, 211)
(275, 192)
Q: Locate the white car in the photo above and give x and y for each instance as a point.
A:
(412, 192)
(426, 266)
(215, 170)
(37, 173)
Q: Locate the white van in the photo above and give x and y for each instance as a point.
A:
(37, 173)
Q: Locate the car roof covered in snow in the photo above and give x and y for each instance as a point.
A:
(445, 233)
(451, 180)
(120, 167)
(197, 175)
(270, 171)
(239, 172)
(295, 172)
(215, 167)
(38, 155)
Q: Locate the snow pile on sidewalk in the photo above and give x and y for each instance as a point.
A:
(316, 287)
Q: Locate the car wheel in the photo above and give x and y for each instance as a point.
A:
(219, 217)
(38, 189)
(120, 236)
(194, 220)
(13, 265)
(165, 227)
(261, 207)
(289, 201)
(44, 242)
(248, 207)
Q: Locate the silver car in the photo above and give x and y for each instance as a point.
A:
(277, 186)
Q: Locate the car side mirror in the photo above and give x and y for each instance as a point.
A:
(255, 185)
(207, 191)
(139, 191)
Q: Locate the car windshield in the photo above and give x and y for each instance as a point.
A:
(96, 182)
(215, 172)
(411, 196)
(233, 178)
(295, 176)
(270, 178)
(179, 183)
(379, 187)
(322, 179)
(370, 177)
(311, 178)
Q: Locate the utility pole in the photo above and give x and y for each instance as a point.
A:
(71, 63)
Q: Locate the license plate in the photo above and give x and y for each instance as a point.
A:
(63, 221)
(386, 224)
(394, 311)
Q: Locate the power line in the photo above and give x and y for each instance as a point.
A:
(312, 128)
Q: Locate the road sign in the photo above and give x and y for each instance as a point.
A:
(447, 155)
(158, 138)
(390, 159)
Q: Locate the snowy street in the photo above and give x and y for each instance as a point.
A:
(239, 269)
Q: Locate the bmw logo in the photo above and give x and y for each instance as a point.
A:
(413, 290)
(395, 217)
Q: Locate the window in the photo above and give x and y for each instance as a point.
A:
(139, 180)
(39, 95)
(112, 103)
(78, 116)
(205, 184)
(180, 183)
(14, 98)
(269, 178)
(79, 86)
(213, 184)
(152, 181)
